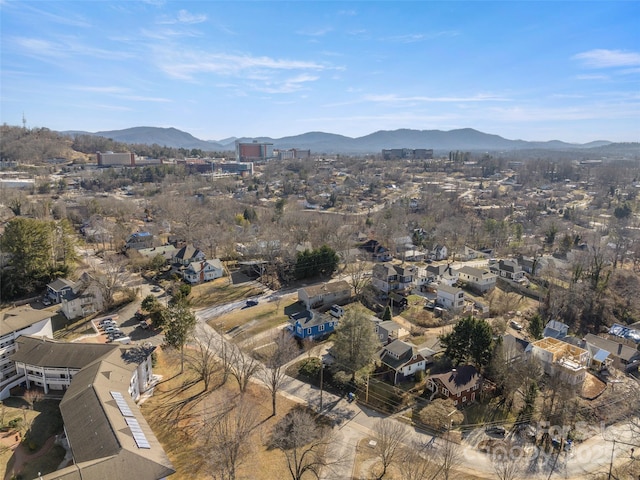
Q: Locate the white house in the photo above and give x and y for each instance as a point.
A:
(203, 271)
(85, 298)
(451, 298)
(561, 358)
(402, 359)
(479, 279)
(13, 324)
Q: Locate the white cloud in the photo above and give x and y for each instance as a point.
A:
(184, 65)
(602, 58)
(112, 90)
(184, 17)
(319, 32)
(394, 98)
(592, 77)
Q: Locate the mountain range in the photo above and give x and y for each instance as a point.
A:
(466, 139)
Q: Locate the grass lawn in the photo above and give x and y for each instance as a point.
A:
(220, 292)
(179, 408)
(45, 421)
(65, 330)
(258, 319)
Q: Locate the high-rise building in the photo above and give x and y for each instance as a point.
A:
(254, 151)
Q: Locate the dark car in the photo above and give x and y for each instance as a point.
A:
(497, 430)
(252, 303)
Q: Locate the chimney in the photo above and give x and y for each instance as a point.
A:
(619, 349)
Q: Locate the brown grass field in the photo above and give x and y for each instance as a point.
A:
(177, 410)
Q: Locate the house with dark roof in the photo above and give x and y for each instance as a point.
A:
(58, 289)
(139, 240)
(310, 324)
(86, 298)
(402, 360)
(555, 329)
(510, 270)
(461, 384)
(387, 278)
(376, 251)
(186, 255)
(325, 294)
(623, 357)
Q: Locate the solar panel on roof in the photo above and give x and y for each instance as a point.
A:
(122, 404)
(138, 434)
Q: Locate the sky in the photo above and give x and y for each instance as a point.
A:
(528, 70)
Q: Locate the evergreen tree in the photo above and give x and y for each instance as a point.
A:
(470, 340)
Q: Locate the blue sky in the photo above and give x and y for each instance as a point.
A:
(523, 70)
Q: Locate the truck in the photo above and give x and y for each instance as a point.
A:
(336, 311)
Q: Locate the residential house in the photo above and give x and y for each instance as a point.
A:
(203, 271)
(439, 252)
(624, 332)
(86, 298)
(139, 240)
(166, 251)
(451, 298)
(310, 324)
(376, 251)
(402, 359)
(623, 357)
(560, 358)
(510, 270)
(325, 294)
(461, 384)
(389, 331)
(478, 279)
(530, 265)
(13, 324)
(387, 278)
(555, 329)
(513, 348)
(187, 255)
(59, 289)
(414, 256)
(403, 244)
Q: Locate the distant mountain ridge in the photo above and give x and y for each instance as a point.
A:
(466, 139)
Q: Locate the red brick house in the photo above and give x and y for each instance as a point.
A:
(462, 384)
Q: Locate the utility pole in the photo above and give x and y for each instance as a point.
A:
(321, 382)
(611, 462)
(366, 394)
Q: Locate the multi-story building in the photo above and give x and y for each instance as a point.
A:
(407, 154)
(13, 324)
(387, 277)
(451, 298)
(108, 159)
(561, 358)
(254, 151)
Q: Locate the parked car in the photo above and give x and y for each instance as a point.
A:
(46, 301)
(106, 320)
(496, 430)
(111, 329)
(252, 303)
(143, 325)
(336, 311)
(515, 325)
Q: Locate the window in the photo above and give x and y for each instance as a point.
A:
(464, 399)
(308, 331)
(321, 328)
(455, 403)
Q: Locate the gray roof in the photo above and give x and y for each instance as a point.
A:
(16, 319)
(309, 318)
(49, 353)
(60, 283)
(101, 440)
(476, 272)
(626, 352)
(389, 326)
(403, 350)
(332, 287)
(187, 252)
(448, 289)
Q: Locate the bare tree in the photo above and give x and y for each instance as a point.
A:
(227, 439)
(306, 444)
(390, 436)
(111, 277)
(202, 359)
(507, 462)
(449, 456)
(417, 463)
(242, 367)
(274, 357)
(359, 276)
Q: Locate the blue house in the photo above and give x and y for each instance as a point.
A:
(310, 324)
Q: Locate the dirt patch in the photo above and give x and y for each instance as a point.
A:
(592, 387)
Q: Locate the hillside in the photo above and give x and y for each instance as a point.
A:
(466, 139)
